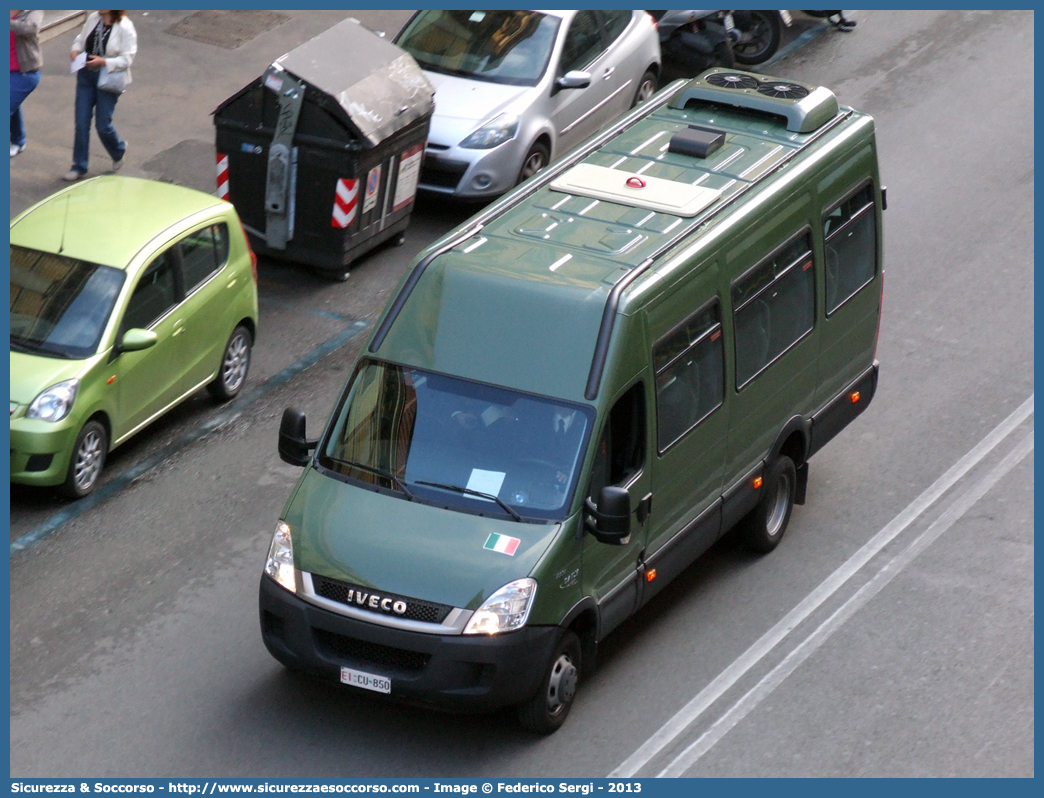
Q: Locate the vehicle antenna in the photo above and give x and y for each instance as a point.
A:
(65, 221)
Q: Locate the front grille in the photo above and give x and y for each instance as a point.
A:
(442, 173)
(416, 610)
(351, 650)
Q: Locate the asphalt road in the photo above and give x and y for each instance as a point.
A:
(891, 634)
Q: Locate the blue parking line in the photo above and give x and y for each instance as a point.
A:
(798, 43)
(218, 420)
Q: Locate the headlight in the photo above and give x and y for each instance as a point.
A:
(504, 611)
(280, 562)
(493, 133)
(55, 403)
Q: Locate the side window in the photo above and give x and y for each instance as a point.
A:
(774, 306)
(621, 449)
(154, 295)
(203, 253)
(690, 382)
(615, 23)
(850, 236)
(583, 42)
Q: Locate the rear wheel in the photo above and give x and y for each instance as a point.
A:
(235, 364)
(765, 525)
(87, 461)
(545, 712)
(646, 88)
(760, 35)
(536, 159)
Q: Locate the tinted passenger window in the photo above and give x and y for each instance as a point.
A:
(154, 294)
(615, 23)
(690, 383)
(774, 306)
(203, 253)
(583, 42)
(850, 233)
(621, 449)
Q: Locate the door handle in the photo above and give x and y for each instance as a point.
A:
(608, 73)
(644, 508)
(232, 280)
(179, 327)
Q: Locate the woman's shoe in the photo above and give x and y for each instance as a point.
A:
(72, 175)
(16, 148)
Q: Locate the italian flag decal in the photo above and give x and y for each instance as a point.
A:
(502, 543)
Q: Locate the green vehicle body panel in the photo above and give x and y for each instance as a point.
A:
(520, 303)
(125, 223)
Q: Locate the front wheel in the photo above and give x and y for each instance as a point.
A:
(87, 461)
(545, 712)
(646, 88)
(235, 363)
(536, 159)
(765, 525)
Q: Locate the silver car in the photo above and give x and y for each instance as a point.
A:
(514, 89)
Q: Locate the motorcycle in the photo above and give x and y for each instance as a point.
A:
(758, 34)
(692, 41)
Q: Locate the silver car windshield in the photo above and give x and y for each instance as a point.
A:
(59, 305)
(511, 47)
(400, 426)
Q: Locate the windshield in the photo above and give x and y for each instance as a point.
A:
(59, 305)
(404, 426)
(511, 47)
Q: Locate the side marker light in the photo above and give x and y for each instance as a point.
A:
(757, 482)
(650, 575)
(854, 396)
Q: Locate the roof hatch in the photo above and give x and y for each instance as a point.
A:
(806, 108)
(639, 191)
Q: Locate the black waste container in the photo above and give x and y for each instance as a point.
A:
(321, 154)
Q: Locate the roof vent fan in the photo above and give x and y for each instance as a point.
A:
(782, 90)
(732, 80)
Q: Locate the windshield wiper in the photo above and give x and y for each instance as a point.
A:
(470, 492)
(386, 474)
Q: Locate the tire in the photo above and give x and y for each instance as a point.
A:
(536, 159)
(763, 528)
(545, 712)
(235, 363)
(87, 460)
(723, 56)
(646, 88)
(760, 35)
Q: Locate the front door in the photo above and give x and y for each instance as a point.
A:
(610, 573)
(575, 111)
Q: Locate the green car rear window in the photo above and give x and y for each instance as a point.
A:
(59, 305)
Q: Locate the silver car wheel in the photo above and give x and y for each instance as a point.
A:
(88, 461)
(237, 359)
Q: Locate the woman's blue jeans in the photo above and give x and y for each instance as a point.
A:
(90, 101)
(22, 85)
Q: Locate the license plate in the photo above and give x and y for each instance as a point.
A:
(367, 681)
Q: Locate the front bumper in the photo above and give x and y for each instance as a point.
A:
(472, 173)
(40, 450)
(455, 672)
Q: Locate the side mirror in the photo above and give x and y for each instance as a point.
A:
(574, 79)
(293, 446)
(136, 339)
(610, 521)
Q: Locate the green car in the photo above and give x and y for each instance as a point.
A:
(127, 296)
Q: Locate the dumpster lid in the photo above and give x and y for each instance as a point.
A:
(377, 84)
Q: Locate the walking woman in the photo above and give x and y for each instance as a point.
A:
(25, 69)
(109, 41)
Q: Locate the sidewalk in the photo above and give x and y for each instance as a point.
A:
(179, 78)
(58, 22)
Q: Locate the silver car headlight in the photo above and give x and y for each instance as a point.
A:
(493, 133)
(55, 403)
(280, 562)
(504, 611)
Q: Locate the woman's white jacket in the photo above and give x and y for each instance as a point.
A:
(122, 45)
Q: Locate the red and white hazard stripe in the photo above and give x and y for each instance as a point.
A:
(346, 200)
(222, 176)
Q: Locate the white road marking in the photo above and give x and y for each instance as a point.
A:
(687, 758)
(749, 658)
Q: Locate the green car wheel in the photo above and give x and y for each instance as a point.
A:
(87, 461)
